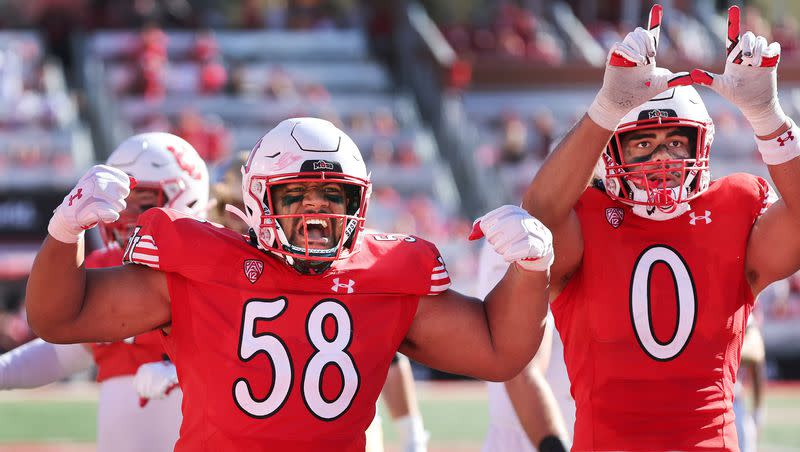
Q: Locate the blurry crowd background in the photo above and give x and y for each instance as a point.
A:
(453, 104)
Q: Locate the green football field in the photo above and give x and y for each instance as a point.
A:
(55, 419)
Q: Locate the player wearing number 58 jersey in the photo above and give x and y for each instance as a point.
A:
(657, 266)
(290, 351)
(282, 338)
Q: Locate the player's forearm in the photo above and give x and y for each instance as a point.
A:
(38, 363)
(535, 405)
(516, 310)
(56, 288)
(786, 177)
(565, 174)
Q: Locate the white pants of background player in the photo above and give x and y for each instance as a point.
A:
(122, 425)
(505, 433)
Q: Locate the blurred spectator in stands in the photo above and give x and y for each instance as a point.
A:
(544, 124)
(213, 77)
(151, 78)
(208, 135)
(787, 32)
(152, 41)
(359, 123)
(509, 43)
(280, 85)
(380, 29)
(406, 155)
(689, 38)
(315, 92)
(56, 20)
(251, 14)
(514, 141)
(237, 81)
(754, 21)
(382, 153)
(206, 47)
(311, 14)
(384, 121)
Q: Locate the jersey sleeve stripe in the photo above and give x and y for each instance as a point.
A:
(438, 276)
(148, 264)
(437, 289)
(146, 245)
(438, 269)
(144, 258)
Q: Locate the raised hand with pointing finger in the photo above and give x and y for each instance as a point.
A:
(631, 76)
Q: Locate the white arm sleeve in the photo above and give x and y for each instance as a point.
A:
(38, 363)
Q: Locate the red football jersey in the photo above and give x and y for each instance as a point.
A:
(652, 321)
(122, 358)
(270, 359)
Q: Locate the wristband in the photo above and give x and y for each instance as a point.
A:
(782, 148)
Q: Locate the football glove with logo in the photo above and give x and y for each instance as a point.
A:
(155, 380)
(750, 79)
(517, 236)
(630, 77)
(98, 196)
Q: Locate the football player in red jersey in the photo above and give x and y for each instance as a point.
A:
(169, 173)
(282, 340)
(657, 266)
(399, 392)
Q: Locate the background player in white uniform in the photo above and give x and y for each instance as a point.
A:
(540, 396)
(124, 422)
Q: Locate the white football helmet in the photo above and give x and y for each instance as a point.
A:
(677, 107)
(304, 150)
(166, 163)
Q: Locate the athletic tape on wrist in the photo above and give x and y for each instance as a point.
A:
(602, 116)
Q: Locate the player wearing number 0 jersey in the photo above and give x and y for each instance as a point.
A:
(261, 347)
(657, 266)
(647, 309)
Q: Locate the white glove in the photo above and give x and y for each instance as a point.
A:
(631, 77)
(517, 236)
(750, 79)
(98, 196)
(155, 380)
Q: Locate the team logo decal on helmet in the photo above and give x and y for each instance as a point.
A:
(644, 184)
(305, 150)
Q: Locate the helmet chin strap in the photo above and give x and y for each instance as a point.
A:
(236, 211)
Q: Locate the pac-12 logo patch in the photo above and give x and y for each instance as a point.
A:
(614, 216)
(253, 269)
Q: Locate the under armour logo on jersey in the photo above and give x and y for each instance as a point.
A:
(79, 194)
(337, 285)
(789, 137)
(693, 218)
(253, 269)
(614, 216)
